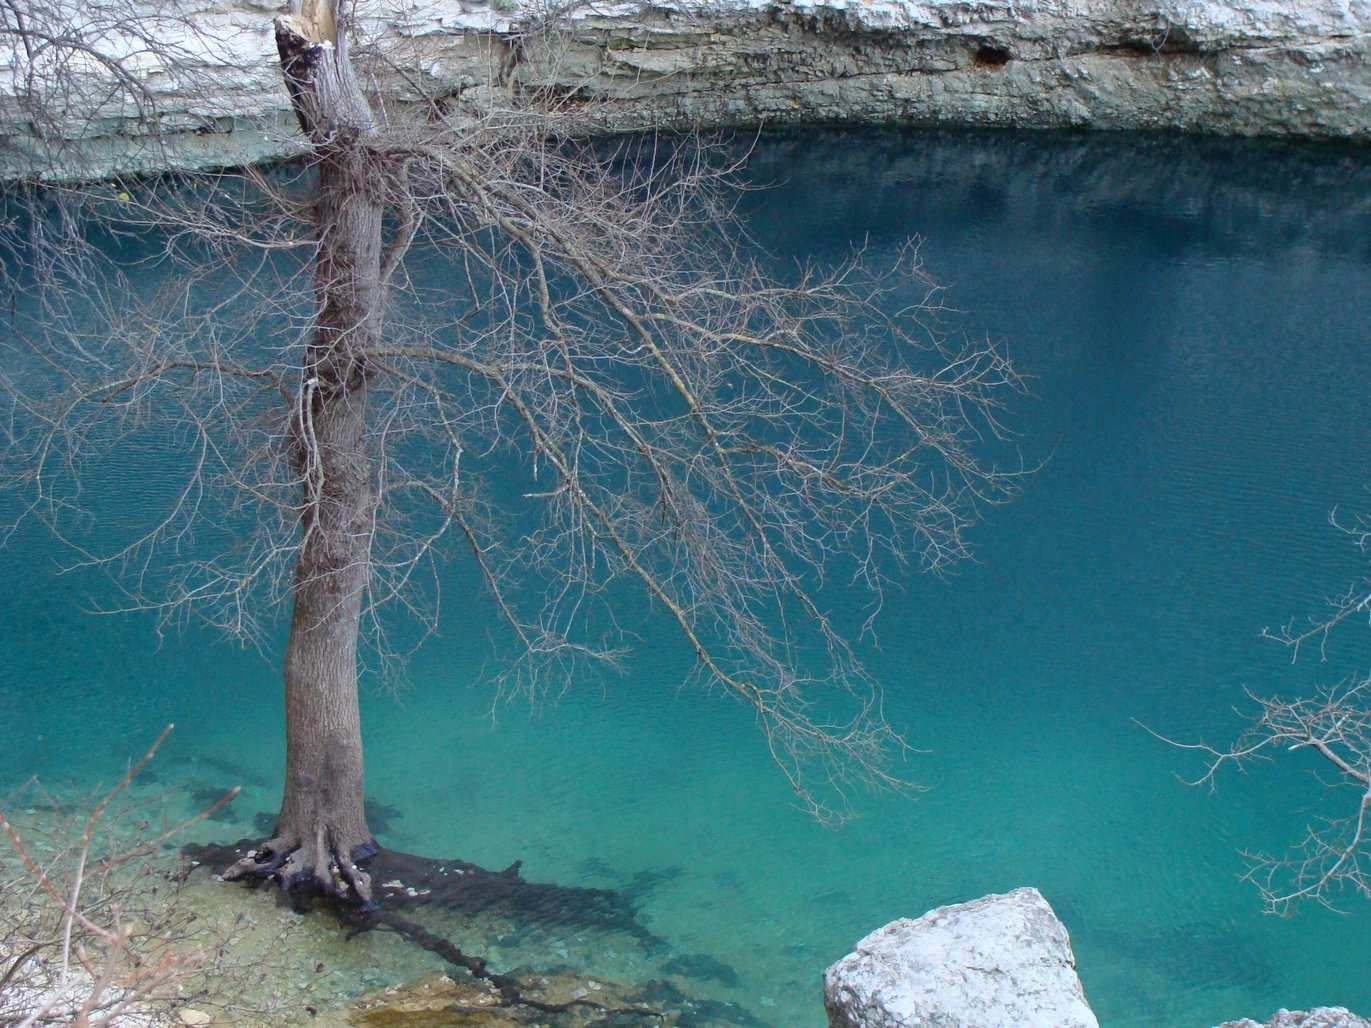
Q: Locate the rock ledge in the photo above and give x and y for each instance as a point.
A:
(210, 94)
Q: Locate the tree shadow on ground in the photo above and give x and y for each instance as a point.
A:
(415, 894)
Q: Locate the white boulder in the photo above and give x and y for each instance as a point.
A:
(996, 961)
(1319, 1017)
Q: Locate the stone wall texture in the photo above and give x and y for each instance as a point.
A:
(195, 82)
(1319, 1017)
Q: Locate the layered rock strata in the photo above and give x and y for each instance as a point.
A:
(195, 83)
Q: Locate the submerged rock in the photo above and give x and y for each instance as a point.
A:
(559, 998)
(432, 1001)
(1319, 1017)
(702, 966)
(1000, 960)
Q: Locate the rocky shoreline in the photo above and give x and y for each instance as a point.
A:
(1001, 961)
(1260, 68)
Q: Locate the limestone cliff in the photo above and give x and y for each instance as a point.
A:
(1263, 67)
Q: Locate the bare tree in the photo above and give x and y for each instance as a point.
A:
(1333, 859)
(583, 350)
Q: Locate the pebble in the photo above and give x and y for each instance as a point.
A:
(194, 1018)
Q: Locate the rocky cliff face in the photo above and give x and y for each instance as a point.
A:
(1262, 67)
(1257, 68)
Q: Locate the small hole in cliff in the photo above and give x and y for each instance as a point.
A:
(1173, 40)
(991, 57)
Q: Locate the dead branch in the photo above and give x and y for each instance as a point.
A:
(110, 958)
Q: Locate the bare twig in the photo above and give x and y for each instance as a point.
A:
(1333, 859)
(102, 968)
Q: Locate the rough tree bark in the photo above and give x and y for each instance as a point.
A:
(321, 833)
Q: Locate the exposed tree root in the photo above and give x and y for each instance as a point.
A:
(312, 865)
(410, 882)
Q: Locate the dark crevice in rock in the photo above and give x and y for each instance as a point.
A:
(993, 57)
(1173, 39)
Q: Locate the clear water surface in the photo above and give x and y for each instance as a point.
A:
(1193, 317)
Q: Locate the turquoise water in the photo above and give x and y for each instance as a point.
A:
(1193, 320)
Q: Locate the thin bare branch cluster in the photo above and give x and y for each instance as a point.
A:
(729, 443)
(1333, 859)
(112, 338)
(582, 379)
(86, 939)
(1351, 605)
(70, 70)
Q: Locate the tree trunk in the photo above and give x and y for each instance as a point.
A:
(321, 832)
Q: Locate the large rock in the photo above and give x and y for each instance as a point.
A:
(1319, 1017)
(996, 961)
(209, 92)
